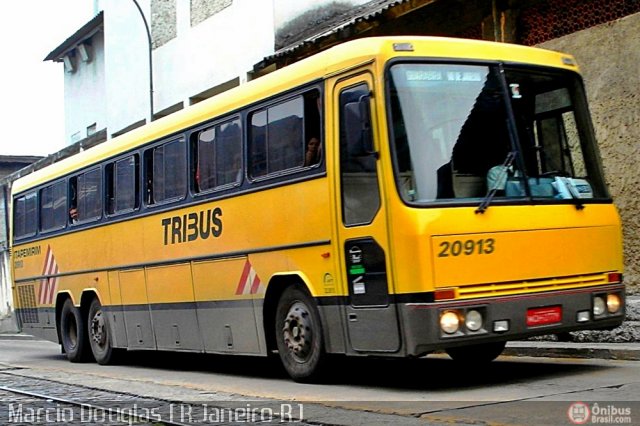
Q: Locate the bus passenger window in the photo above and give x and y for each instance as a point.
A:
(165, 172)
(122, 179)
(85, 196)
(283, 134)
(53, 207)
(218, 153)
(24, 216)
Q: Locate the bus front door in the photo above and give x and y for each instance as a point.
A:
(371, 316)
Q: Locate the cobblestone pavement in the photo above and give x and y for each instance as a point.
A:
(33, 401)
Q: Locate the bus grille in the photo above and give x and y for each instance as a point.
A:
(27, 312)
(505, 289)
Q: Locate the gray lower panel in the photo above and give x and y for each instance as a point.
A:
(229, 329)
(139, 329)
(373, 329)
(176, 329)
(117, 328)
(333, 327)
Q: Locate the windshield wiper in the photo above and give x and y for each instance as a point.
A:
(502, 176)
(571, 189)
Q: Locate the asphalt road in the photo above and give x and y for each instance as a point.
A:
(510, 391)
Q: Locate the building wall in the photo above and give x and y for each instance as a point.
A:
(608, 56)
(126, 63)
(220, 48)
(85, 93)
(198, 45)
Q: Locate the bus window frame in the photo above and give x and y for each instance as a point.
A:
(192, 138)
(137, 196)
(102, 195)
(65, 182)
(149, 151)
(25, 195)
(281, 98)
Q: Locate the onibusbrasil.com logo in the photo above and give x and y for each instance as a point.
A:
(581, 413)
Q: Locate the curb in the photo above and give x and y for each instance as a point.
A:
(611, 351)
(17, 336)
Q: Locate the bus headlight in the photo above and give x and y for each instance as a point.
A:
(473, 320)
(450, 322)
(599, 306)
(613, 303)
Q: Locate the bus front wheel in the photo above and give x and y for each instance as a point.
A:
(72, 332)
(99, 334)
(476, 354)
(299, 335)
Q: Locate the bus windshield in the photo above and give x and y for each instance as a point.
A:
(460, 132)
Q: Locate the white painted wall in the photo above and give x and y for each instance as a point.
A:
(219, 49)
(84, 93)
(126, 63)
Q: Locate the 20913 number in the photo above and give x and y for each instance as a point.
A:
(467, 247)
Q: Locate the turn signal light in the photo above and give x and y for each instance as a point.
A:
(613, 303)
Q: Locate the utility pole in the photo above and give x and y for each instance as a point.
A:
(146, 26)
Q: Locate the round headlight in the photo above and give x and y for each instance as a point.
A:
(613, 303)
(598, 306)
(449, 322)
(473, 320)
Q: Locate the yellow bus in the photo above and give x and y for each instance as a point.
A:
(386, 197)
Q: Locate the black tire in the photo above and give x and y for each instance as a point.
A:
(482, 353)
(73, 333)
(100, 334)
(299, 338)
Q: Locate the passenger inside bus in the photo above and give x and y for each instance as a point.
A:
(312, 155)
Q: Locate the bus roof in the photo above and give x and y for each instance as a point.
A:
(326, 63)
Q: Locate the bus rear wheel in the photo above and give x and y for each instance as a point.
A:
(99, 334)
(73, 333)
(482, 353)
(299, 335)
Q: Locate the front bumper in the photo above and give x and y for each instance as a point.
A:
(512, 310)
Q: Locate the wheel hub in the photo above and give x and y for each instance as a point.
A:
(97, 328)
(297, 331)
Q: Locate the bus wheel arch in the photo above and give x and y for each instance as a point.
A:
(277, 285)
(298, 333)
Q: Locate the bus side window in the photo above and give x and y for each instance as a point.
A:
(165, 172)
(281, 135)
(122, 183)
(217, 151)
(53, 206)
(25, 216)
(85, 196)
